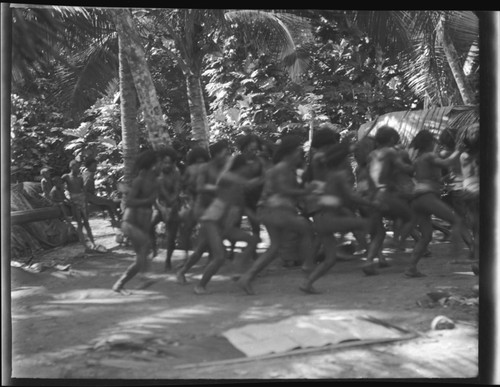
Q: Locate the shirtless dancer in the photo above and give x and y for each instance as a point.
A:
(77, 196)
(427, 201)
(331, 204)
(195, 159)
(383, 162)
(167, 205)
(453, 179)
(206, 182)
(469, 161)
(250, 147)
(277, 209)
(218, 223)
(136, 220)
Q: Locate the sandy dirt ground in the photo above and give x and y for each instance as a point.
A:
(68, 324)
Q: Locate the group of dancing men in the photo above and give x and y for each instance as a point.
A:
(340, 185)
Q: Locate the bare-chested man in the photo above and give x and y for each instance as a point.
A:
(277, 209)
(383, 162)
(136, 220)
(427, 202)
(78, 198)
(167, 205)
(219, 223)
(331, 204)
(195, 160)
(469, 161)
(206, 184)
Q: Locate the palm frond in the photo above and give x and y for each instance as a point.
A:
(282, 35)
(41, 34)
(89, 74)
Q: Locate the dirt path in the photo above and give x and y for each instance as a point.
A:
(69, 324)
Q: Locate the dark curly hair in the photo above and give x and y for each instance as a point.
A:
(247, 139)
(447, 138)
(385, 134)
(168, 151)
(470, 139)
(422, 140)
(218, 147)
(146, 159)
(287, 145)
(196, 153)
(324, 136)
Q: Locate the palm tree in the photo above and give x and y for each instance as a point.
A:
(191, 34)
(434, 48)
(129, 109)
(132, 48)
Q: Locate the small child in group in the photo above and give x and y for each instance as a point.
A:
(46, 183)
(78, 199)
(136, 221)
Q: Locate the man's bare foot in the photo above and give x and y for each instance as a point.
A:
(117, 288)
(200, 290)
(370, 269)
(245, 285)
(413, 273)
(383, 263)
(309, 289)
(181, 279)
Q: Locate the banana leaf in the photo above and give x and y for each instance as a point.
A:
(408, 123)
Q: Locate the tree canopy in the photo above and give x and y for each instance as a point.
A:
(229, 71)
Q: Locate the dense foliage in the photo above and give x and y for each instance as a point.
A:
(351, 80)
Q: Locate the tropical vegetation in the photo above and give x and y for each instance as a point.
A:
(110, 82)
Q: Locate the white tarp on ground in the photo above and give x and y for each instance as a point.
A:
(306, 332)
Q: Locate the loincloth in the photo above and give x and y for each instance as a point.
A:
(80, 201)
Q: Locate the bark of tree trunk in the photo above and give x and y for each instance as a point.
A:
(129, 110)
(454, 63)
(199, 119)
(157, 129)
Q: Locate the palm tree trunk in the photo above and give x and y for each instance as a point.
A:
(157, 130)
(454, 62)
(129, 110)
(199, 119)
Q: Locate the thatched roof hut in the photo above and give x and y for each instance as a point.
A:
(408, 123)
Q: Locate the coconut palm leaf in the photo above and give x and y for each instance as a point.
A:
(90, 71)
(284, 36)
(413, 35)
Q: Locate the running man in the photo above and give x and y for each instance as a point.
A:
(136, 221)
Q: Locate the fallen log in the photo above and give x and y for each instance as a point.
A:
(34, 215)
